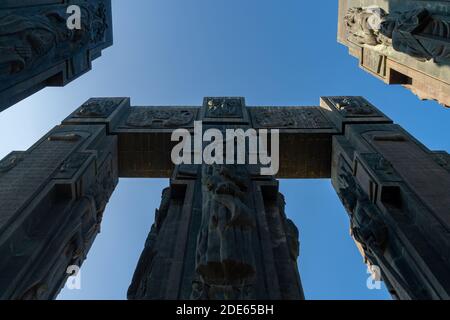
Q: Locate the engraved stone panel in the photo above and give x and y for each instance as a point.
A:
(416, 32)
(289, 118)
(10, 161)
(161, 117)
(97, 108)
(354, 107)
(224, 107)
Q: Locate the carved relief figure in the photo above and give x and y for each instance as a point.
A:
(224, 107)
(289, 118)
(353, 107)
(76, 230)
(224, 260)
(160, 118)
(144, 272)
(372, 234)
(417, 32)
(26, 40)
(96, 108)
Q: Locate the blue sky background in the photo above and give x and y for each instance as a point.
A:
(170, 52)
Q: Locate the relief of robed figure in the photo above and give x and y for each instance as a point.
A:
(418, 32)
(224, 260)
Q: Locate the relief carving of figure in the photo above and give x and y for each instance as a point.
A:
(353, 107)
(417, 32)
(160, 118)
(288, 118)
(26, 40)
(224, 260)
(97, 108)
(371, 232)
(224, 107)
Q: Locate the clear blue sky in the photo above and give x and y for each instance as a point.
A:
(272, 52)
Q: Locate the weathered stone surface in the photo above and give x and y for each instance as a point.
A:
(416, 32)
(396, 195)
(53, 197)
(233, 240)
(159, 118)
(37, 49)
(351, 110)
(221, 231)
(289, 118)
(401, 42)
(224, 107)
(144, 136)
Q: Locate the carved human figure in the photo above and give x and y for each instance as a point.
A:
(360, 27)
(23, 40)
(370, 231)
(417, 32)
(26, 40)
(353, 107)
(224, 260)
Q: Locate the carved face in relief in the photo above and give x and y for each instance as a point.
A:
(99, 24)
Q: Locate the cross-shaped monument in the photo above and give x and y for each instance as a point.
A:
(221, 231)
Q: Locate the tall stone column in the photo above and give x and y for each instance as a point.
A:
(396, 193)
(52, 201)
(37, 49)
(221, 232)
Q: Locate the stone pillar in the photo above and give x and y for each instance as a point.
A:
(205, 245)
(221, 232)
(52, 201)
(37, 49)
(396, 193)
